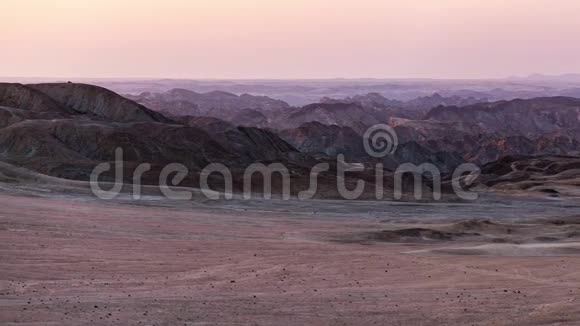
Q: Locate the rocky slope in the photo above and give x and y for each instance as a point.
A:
(487, 131)
(531, 117)
(319, 139)
(71, 148)
(9, 116)
(475, 144)
(254, 144)
(98, 101)
(331, 140)
(251, 118)
(68, 100)
(18, 96)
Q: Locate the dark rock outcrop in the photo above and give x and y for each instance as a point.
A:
(250, 142)
(315, 137)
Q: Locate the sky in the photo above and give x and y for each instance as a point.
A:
(288, 38)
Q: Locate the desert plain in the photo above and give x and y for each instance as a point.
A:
(67, 258)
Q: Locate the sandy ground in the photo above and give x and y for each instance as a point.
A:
(68, 259)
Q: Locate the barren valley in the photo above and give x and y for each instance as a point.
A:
(70, 259)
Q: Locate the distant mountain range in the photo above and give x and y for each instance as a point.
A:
(303, 92)
(181, 102)
(422, 103)
(65, 129)
(471, 128)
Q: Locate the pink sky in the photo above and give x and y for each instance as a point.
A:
(288, 39)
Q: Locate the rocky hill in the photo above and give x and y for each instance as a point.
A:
(18, 96)
(98, 101)
(254, 144)
(71, 148)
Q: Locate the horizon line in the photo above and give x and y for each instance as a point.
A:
(529, 76)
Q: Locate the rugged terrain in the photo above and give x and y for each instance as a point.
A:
(445, 130)
(507, 257)
(65, 130)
